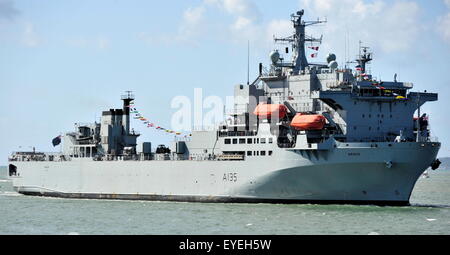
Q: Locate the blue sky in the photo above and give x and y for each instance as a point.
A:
(63, 62)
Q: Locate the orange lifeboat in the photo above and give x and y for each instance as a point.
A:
(267, 110)
(308, 122)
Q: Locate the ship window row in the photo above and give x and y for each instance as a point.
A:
(378, 115)
(370, 128)
(299, 92)
(259, 153)
(248, 140)
(383, 93)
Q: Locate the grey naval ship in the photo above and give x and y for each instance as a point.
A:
(300, 133)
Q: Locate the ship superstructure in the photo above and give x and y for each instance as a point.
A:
(301, 132)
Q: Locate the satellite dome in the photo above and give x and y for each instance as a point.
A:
(331, 57)
(333, 64)
(274, 56)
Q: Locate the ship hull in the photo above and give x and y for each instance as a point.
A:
(356, 174)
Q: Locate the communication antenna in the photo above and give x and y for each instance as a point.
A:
(347, 46)
(248, 62)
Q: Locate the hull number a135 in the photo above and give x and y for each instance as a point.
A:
(229, 177)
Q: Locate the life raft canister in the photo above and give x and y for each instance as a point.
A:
(267, 110)
(308, 122)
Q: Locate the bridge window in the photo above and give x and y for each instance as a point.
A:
(235, 140)
(227, 141)
(249, 153)
(263, 140)
(249, 140)
(263, 153)
(270, 153)
(270, 140)
(241, 140)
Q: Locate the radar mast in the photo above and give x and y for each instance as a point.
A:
(364, 58)
(297, 40)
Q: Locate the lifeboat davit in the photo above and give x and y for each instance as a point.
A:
(267, 110)
(308, 122)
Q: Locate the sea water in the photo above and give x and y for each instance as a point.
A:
(429, 214)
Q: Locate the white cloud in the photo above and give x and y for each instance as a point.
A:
(245, 15)
(103, 43)
(447, 2)
(278, 28)
(191, 26)
(29, 37)
(387, 26)
(238, 8)
(241, 23)
(194, 15)
(191, 23)
(244, 25)
(443, 27)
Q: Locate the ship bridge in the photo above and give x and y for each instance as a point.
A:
(376, 115)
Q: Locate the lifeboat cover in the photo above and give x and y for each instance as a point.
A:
(267, 110)
(308, 122)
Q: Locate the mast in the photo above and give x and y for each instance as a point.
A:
(248, 62)
(364, 57)
(127, 98)
(297, 41)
